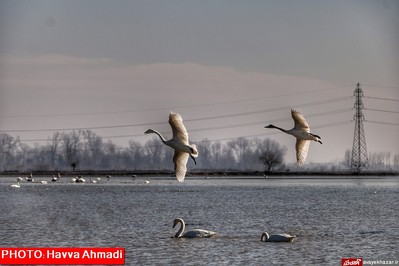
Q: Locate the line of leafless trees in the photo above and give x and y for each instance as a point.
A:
(376, 160)
(85, 150)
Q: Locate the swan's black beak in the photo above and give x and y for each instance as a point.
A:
(320, 142)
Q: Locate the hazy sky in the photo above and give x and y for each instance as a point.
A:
(228, 67)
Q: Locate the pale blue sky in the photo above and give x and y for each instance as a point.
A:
(60, 60)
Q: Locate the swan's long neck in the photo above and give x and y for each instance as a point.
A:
(181, 230)
(159, 135)
(279, 128)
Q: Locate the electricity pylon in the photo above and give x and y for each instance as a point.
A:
(359, 150)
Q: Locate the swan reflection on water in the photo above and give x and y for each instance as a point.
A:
(193, 233)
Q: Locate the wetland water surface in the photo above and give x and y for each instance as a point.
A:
(332, 218)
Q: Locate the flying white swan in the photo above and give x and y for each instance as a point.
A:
(303, 136)
(180, 144)
(276, 238)
(193, 233)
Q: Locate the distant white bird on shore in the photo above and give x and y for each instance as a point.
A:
(56, 178)
(193, 233)
(301, 131)
(277, 238)
(78, 179)
(17, 185)
(43, 182)
(180, 144)
(30, 178)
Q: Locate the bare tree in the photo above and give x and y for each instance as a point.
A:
(272, 154)
(240, 148)
(54, 143)
(71, 144)
(7, 150)
(348, 158)
(216, 154)
(204, 148)
(155, 152)
(396, 161)
(93, 147)
(136, 152)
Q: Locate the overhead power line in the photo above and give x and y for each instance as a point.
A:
(173, 107)
(380, 98)
(221, 139)
(186, 120)
(378, 110)
(382, 123)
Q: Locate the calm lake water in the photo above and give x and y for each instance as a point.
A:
(332, 218)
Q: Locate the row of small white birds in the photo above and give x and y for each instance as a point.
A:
(183, 149)
(77, 179)
(202, 233)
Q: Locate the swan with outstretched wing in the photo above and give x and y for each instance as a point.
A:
(179, 142)
(301, 131)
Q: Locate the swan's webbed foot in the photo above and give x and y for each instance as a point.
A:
(192, 157)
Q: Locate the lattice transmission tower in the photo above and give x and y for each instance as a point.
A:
(359, 159)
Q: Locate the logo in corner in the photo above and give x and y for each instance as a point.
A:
(352, 261)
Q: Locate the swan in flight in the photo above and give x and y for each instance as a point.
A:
(303, 136)
(180, 144)
(193, 233)
(276, 238)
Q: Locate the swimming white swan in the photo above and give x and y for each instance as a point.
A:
(193, 233)
(17, 185)
(303, 136)
(276, 238)
(180, 144)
